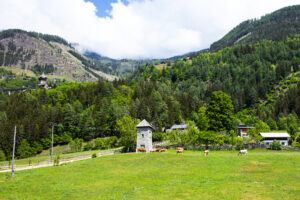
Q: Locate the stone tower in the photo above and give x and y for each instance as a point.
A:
(144, 136)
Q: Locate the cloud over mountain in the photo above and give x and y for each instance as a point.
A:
(140, 29)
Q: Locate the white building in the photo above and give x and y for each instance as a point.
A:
(269, 138)
(144, 136)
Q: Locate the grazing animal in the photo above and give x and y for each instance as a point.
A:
(157, 149)
(163, 150)
(141, 149)
(206, 152)
(180, 150)
(241, 152)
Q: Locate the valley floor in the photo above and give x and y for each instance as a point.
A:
(261, 174)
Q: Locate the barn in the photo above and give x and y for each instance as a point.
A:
(269, 138)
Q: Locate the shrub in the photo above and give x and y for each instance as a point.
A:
(76, 145)
(99, 143)
(88, 146)
(38, 147)
(94, 155)
(25, 150)
(275, 145)
(56, 160)
(2, 156)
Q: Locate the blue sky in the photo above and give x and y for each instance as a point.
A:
(104, 5)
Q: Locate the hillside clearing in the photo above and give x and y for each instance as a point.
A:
(221, 175)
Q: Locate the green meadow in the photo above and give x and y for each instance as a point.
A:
(261, 174)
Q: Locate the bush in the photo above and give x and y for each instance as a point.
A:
(99, 143)
(88, 146)
(38, 147)
(275, 145)
(56, 160)
(25, 150)
(2, 156)
(94, 155)
(76, 145)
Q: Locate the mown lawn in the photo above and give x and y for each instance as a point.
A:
(221, 175)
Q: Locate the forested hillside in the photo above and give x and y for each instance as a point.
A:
(276, 26)
(250, 74)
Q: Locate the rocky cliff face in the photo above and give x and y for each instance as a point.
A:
(28, 51)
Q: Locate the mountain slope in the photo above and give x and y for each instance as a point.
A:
(44, 53)
(276, 26)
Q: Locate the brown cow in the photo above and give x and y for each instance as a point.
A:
(206, 152)
(180, 150)
(157, 149)
(141, 149)
(163, 150)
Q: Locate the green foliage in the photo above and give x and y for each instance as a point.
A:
(275, 26)
(38, 147)
(56, 160)
(127, 127)
(272, 124)
(262, 127)
(239, 143)
(220, 112)
(25, 150)
(158, 137)
(275, 145)
(202, 121)
(94, 155)
(76, 145)
(2, 156)
(89, 146)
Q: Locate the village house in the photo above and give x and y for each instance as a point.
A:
(180, 127)
(43, 81)
(269, 138)
(242, 130)
(144, 136)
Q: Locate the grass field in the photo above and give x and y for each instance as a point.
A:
(222, 175)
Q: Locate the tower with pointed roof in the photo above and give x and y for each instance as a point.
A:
(144, 136)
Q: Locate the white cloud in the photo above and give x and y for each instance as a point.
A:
(141, 29)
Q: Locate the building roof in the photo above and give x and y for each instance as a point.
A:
(178, 126)
(43, 76)
(244, 126)
(275, 135)
(144, 123)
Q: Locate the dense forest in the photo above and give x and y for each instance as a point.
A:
(259, 83)
(276, 26)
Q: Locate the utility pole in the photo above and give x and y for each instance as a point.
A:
(13, 156)
(52, 144)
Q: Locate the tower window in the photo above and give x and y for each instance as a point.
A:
(142, 135)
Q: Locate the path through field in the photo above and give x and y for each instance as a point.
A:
(62, 161)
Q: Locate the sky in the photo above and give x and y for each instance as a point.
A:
(137, 29)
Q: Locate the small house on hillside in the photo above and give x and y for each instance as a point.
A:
(144, 136)
(180, 127)
(43, 81)
(269, 138)
(242, 130)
